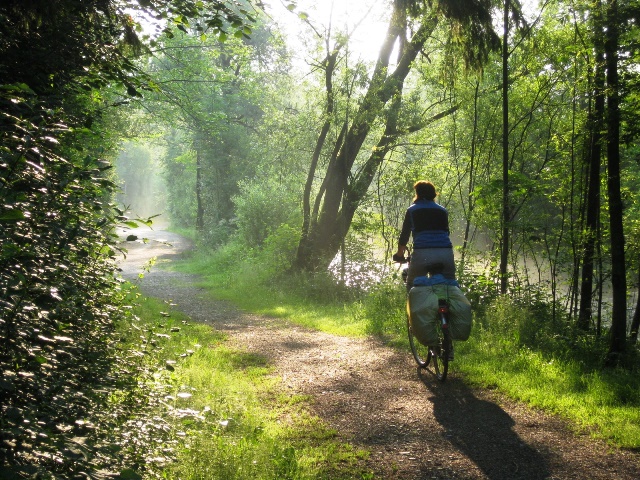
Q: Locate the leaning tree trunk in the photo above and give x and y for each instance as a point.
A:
(342, 189)
(339, 195)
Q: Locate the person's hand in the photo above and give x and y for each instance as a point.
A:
(398, 258)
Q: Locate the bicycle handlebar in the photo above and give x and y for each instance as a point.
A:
(399, 258)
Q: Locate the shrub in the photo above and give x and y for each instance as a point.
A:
(384, 306)
(58, 297)
(261, 208)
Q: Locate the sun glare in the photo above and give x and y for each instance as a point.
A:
(365, 21)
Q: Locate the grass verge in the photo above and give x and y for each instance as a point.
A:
(226, 414)
(602, 402)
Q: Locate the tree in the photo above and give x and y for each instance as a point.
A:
(342, 189)
(506, 214)
(592, 171)
(216, 94)
(618, 267)
(55, 46)
(58, 294)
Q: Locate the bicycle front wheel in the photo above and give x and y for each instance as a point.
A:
(421, 354)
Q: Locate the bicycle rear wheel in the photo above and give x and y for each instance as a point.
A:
(440, 354)
(421, 354)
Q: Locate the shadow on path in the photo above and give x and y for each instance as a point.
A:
(483, 432)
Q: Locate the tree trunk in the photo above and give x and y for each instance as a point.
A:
(199, 201)
(594, 153)
(329, 66)
(635, 323)
(504, 239)
(472, 176)
(618, 268)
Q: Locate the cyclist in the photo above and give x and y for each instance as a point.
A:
(428, 223)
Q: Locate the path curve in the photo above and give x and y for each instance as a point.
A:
(414, 427)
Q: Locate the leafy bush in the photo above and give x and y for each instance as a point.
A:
(384, 306)
(58, 298)
(261, 208)
(480, 289)
(278, 252)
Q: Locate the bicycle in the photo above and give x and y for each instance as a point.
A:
(437, 355)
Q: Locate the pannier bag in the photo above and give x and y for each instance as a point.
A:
(423, 309)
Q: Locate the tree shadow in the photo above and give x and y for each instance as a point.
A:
(483, 432)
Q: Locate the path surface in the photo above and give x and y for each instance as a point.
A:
(414, 427)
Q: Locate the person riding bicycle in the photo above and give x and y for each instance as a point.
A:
(428, 223)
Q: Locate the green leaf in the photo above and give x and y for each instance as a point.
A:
(12, 215)
(129, 474)
(17, 87)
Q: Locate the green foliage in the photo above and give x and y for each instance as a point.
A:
(58, 293)
(384, 309)
(214, 98)
(278, 251)
(517, 319)
(66, 45)
(180, 178)
(263, 206)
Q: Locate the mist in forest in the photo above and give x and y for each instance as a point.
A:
(143, 190)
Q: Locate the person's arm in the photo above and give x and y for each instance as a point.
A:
(404, 235)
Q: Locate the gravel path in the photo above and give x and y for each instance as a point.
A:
(414, 427)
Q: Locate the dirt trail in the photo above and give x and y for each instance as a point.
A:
(414, 427)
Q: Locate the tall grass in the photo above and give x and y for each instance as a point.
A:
(254, 281)
(524, 355)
